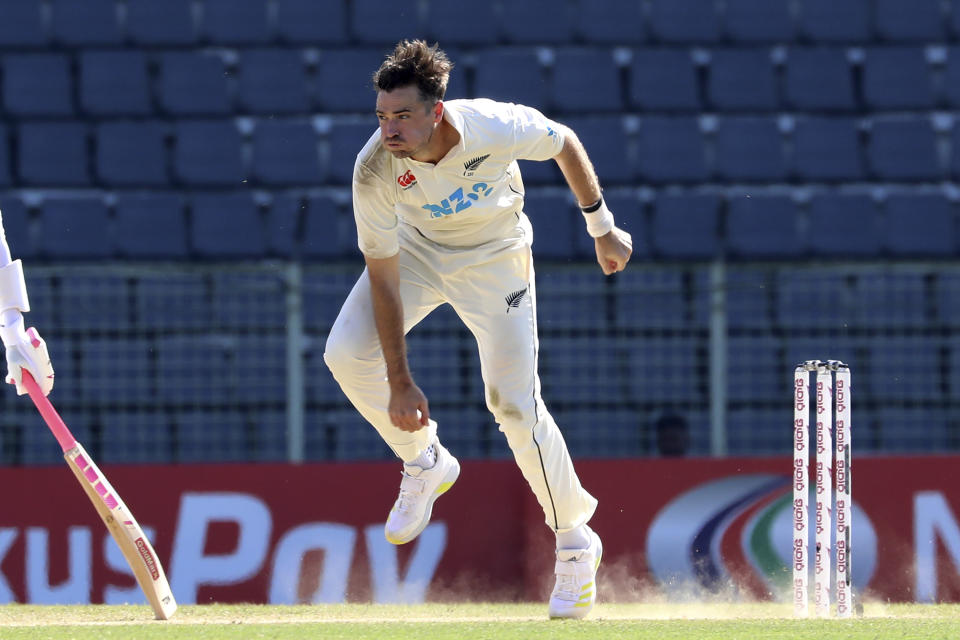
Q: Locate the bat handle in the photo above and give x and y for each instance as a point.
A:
(50, 415)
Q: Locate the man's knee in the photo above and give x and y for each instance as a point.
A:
(342, 354)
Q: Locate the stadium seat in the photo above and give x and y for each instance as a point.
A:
(570, 299)
(630, 217)
(951, 76)
(273, 81)
(585, 369)
(749, 298)
(234, 22)
(383, 22)
(343, 435)
(212, 436)
(552, 215)
(446, 23)
(227, 226)
(611, 22)
(114, 83)
(574, 69)
(763, 226)
(903, 368)
(818, 79)
(43, 310)
(136, 437)
(538, 22)
(116, 371)
(97, 300)
(947, 300)
(684, 21)
(286, 153)
(742, 79)
(955, 22)
(892, 300)
(327, 229)
(91, 22)
(664, 80)
(897, 78)
(208, 153)
(662, 370)
(827, 149)
(759, 21)
(525, 84)
(671, 150)
(844, 225)
(343, 80)
(244, 300)
(650, 299)
(825, 346)
(750, 149)
(161, 22)
(195, 370)
(436, 363)
(37, 85)
(916, 21)
(193, 84)
(39, 448)
(53, 154)
(904, 149)
(768, 377)
(920, 225)
(840, 22)
(22, 24)
(5, 165)
(131, 153)
(816, 299)
(174, 300)
(606, 142)
(311, 23)
(151, 225)
(603, 433)
(913, 429)
(260, 365)
(345, 142)
(75, 228)
(686, 225)
(16, 226)
(955, 162)
(753, 431)
(323, 293)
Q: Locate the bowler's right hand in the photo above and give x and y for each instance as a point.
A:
(408, 407)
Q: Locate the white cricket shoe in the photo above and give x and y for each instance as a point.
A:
(576, 588)
(418, 491)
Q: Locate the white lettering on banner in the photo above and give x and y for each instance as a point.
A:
(337, 542)
(115, 560)
(7, 537)
(190, 568)
(388, 587)
(76, 588)
(932, 518)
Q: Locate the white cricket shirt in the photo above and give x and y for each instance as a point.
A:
(473, 196)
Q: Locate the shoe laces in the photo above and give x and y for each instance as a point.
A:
(411, 489)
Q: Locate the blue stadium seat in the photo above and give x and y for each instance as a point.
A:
(328, 230)
(273, 81)
(829, 21)
(385, 23)
(552, 215)
(343, 435)
(92, 22)
(131, 153)
(684, 21)
(819, 79)
(116, 371)
(816, 299)
(827, 149)
(43, 308)
(904, 149)
(759, 21)
(227, 226)
(16, 227)
(39, 446)
(525, 84)
(955, 22)
(650, 298)
(903, 368)
(97, 301)
(174, 300)
(539, 21)
(749, 298)
(231, 298)
(53, 153)
(436, 366)
(114, 83)
(742, 79)
(346, 141)
(236, 21)
(892, 300)
(762, 356)
(920, 225)
(750, 149)
(540, 173)
(844, 225)
(193, 84)
(447, 23)
(22, 24)
(208, 153)
(151, 225)
(686, 225)
(260, 367)
(671, 150)
(195, 369)
(75, 228)
(585, 369)
(320, 387)
(343, 80)
(916, 21)
(212, 437)
(951, 76)
(37, 85)
(763, 226)
(897, 78)
(612, 22)
(663, 370)
(471, 432)
(955, 162)
(753, 431)
(286, 153)
(914, 429)
(161, 22)
(630, 217)
(825, 346)
(323, 293)
(605, 139)
(947, 299)
(603, 433)
(5, 176)
(954, 376)
(135, 437)
(570, 299)
(573, 69)
(310, 22)
(664, 80)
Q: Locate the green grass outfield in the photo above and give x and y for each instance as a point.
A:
(468, 621)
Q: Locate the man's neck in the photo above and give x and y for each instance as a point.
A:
(445, 137)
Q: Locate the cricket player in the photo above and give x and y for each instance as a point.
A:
(438, 202)
(25, 348)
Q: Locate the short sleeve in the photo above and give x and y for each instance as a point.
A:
(536, 136)
(375, 214)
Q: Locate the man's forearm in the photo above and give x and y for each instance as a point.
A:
(578, 170)
(388, 315)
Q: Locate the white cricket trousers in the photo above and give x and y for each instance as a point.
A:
(477, 283)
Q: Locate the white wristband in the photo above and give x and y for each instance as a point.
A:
(13, 288)
(599, 221)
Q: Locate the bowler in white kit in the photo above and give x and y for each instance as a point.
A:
(438, 202)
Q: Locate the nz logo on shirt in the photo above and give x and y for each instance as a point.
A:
(470, 166)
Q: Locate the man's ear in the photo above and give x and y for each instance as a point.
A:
(438, 111)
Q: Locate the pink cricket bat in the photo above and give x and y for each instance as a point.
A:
(120, 522)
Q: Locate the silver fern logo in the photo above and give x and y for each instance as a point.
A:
(471, 165)
(513, 300)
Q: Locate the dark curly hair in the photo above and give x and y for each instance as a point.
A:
(413, 62)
